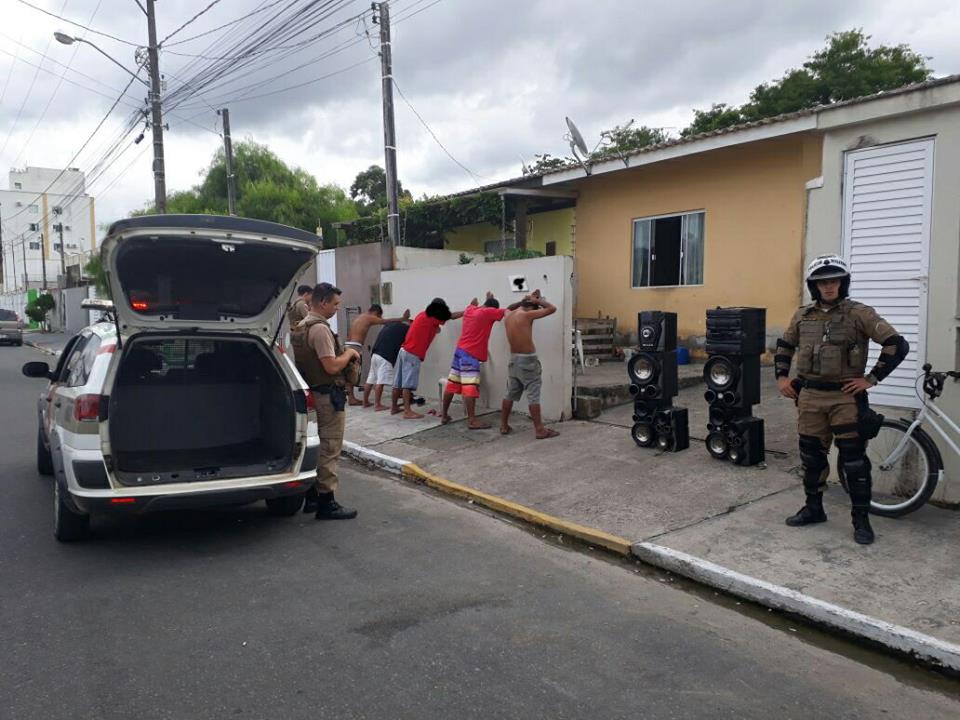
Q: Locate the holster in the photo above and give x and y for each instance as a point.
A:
(869, 420)
(338, 395)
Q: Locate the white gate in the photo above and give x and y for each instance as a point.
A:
(327, 272)
(887, 194)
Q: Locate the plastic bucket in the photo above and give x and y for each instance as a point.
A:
(683, 356)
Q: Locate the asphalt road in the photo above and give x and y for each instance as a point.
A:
(421, 608)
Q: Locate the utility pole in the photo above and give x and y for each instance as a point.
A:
(3, 274)
(228, 152)
(58, 211)
(43, 259)
(156, 122)
(23, 248)
(389, 141)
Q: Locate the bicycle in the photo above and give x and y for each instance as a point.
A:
(907, 465)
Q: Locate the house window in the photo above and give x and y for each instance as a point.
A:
(668, 250)
(18, 186)
(56, 246)
(34, 246)
(34, 227)
(33, 209)
(67, 228)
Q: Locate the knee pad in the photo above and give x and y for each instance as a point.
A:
(853, 458)
(812, 454)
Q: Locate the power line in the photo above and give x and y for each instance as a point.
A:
(33, 82)
(71, 22)
(188, 22)
(443, 147)
(46, 107)
(220, 27)
(82, 147)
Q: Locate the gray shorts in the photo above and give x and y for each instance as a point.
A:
(406, 374)
(524, 376)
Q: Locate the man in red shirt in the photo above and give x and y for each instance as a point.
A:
(422, 331)
(464, 378)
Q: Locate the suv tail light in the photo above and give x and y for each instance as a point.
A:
(87, 408)
(311, 403)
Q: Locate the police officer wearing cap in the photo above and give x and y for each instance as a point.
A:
(828, 341)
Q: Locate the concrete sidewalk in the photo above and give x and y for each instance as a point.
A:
(709, 520)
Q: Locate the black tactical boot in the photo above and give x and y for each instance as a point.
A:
(310, 501)
(330, 509)
(810, 513)
(862, 532)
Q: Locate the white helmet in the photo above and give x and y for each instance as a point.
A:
(825, 267)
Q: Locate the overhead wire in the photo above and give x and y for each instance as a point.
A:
(76, 24)
(53, 95)
(167, 45)
(190, 21)
(33, 82)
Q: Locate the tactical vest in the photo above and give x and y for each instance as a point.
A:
(295, 315)
(306, 358)
(830, 348)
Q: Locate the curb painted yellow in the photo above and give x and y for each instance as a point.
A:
(615, 544)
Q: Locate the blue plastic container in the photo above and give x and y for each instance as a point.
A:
(683, 356)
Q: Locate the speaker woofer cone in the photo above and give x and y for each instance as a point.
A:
(663, 442)
(710, 396)
(643, 434)
(717, 445)
(729, 398)
(643, 369)
(720, 373)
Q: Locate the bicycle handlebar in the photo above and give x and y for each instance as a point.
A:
(933, 381)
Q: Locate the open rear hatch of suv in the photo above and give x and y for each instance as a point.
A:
(197, 393)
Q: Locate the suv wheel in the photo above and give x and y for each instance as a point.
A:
(44, 458)
(67, 525)
(285, 506)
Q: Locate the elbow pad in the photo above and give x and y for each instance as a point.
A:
(889, 360)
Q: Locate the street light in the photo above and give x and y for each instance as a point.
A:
(65, 39)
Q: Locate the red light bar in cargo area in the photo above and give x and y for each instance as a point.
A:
(139, 305)
(122, 501)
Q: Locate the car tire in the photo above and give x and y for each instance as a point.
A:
(285, 506)
(44, 458)
(68, 526)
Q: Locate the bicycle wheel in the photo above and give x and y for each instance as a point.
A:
(902, 486)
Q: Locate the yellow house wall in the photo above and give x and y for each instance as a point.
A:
(554, 226)
(470, 238)
(754, 199)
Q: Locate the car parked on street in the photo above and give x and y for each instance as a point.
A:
(181, 397)
(11, 328)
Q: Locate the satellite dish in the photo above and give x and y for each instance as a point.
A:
(576, 139)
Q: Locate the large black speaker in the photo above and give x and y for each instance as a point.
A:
(667, 428)
(653, 376)
(737, 331)
(739, 440)
(733, 381)
(657, 330)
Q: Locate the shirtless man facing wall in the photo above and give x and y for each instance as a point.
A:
(525, 370)
(358, 334)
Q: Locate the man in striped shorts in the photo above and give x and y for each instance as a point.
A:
(464, 378)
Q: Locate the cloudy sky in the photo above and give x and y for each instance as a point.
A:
(493, 79)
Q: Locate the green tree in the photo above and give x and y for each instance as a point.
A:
(846, 68)
(717, 117)
(625, 139)
(267, 189)
(94, 269)
(369, 190)
(545, 162)
(38, 308)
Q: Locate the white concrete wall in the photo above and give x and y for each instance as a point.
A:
(409, 258)
(825, 216)
(458, 284)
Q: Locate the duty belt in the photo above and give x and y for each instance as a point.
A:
(819, 384)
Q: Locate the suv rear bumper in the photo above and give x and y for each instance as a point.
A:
(14, 337)
(117, 501)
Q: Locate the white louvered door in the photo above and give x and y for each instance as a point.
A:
(887, 193)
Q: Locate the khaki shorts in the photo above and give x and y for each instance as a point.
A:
(826, 414)
(524, 375)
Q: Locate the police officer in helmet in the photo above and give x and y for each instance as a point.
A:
(827, 341)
